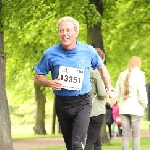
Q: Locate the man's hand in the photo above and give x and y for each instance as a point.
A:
(110, 95)
(56, 84)
(43, 81)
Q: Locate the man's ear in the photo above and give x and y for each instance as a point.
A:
(77, 33)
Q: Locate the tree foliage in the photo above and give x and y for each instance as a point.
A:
(125, 26)
(30, 28)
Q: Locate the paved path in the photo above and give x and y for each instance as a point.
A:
(37, 143)
(47, 142)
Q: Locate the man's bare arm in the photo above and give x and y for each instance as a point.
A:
(43, 81)
(106, 79)
(105, 76)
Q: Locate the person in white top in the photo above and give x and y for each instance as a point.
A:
(131, 92)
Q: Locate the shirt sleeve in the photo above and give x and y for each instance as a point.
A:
(96, 61)
(43, 67)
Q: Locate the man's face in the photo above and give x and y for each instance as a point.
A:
(67, 35)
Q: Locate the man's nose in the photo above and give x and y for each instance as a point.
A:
(65, 32)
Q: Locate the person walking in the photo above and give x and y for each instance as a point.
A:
(148, 105)
(98, 94)
(109, 118)
(69, 63)
(116, 120)
(131, 92)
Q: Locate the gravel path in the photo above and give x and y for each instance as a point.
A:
(47, 142)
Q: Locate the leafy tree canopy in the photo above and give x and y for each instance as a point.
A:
(30, 28)
(125, 25)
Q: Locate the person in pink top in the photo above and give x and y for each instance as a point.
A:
(117, 120)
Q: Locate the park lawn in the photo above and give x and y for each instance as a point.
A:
(113, 145)
(19, 132)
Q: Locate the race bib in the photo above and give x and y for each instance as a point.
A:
(71, 78)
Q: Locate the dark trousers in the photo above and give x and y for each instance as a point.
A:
(109, 129)
(93, 137)
(73, 115)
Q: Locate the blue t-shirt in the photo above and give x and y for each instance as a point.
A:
(83, 56)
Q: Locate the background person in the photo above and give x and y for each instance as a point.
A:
(116, 120)
(98, 94)
(132, 96)
(69, 63)
(148, 105)
(109, 118)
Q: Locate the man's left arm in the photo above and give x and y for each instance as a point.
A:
(105, 76)
(106, 79)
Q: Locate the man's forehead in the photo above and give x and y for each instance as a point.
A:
(66, 24)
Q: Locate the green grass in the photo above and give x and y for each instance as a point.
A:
(113, 145)
(19, 132)
(144, 125)
(116, 144)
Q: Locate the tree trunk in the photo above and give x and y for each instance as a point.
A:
(92, 33)
(54, 118)
(94, 37)
(40, 99)
(5, 124)
(104, 135)
(54, 123)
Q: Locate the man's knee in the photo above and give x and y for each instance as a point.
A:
(78, 144)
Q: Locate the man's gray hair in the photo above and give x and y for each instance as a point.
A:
(69, 19)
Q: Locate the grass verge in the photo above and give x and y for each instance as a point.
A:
(113, 145)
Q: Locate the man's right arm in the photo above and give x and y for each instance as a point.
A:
(43, 81)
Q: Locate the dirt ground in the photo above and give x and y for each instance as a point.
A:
(47, 142)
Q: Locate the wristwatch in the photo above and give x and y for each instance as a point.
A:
(110, 89)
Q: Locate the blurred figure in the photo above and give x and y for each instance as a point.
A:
(98, 94)
(131, 93)
(148, 106)
(109, 118)
(116, 120)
